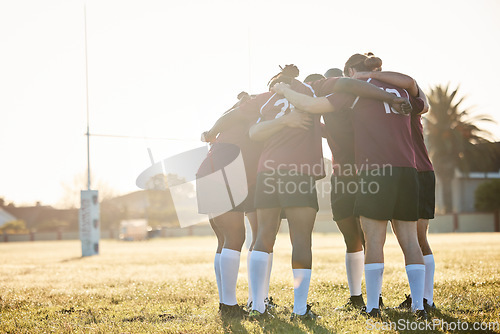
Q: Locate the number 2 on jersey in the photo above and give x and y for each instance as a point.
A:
(285, 104)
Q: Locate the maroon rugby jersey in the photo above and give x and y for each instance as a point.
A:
(382, 136)
(338, 124)
(250, 109)
(221, 154)
(292, 149)
(340, 133)
(323, 87)
(422, 160)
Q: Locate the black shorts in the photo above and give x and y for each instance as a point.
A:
(281, 189)
(426, 194)
(218, 196)
(247, 205)
(343, 196)
(389, 193)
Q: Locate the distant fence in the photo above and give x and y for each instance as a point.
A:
(463, 222)
(46, 236)
(172, 232)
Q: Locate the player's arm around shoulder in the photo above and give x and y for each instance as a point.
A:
(266, 129)
(394, 78)
(303, 102)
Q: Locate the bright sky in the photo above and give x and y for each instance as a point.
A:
(170, 68)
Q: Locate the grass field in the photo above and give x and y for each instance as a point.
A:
(168, 286)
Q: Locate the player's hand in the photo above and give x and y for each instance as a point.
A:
(401, 105)
(297, 119)
(280, 88)
(208, 137)
(361, 75)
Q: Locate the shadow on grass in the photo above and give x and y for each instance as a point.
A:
(76, 258)
(233, 326)
(275, 325)
(315, 327)
(278, 324)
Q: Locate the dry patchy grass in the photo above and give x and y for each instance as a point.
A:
(168, 286)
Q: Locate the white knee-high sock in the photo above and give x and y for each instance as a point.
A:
(416, 279)
(229, 266)
(258, 270)
(430, 266)
(248, 276)
(354, 264)
(268, 275)
(301, 281)
(374, 273)
(217, 275)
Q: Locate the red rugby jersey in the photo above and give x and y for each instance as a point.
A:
(422, 160)
(292, 149)
(221, 154)
(340, 133)
(382, 136)
(323, 87)
(338, 125)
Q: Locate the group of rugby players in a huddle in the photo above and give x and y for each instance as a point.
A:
(371, 120)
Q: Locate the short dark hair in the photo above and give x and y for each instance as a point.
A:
(286, 75)
(314, 77)
(334, 72)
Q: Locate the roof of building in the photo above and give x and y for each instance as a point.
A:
(484, 159)
(35, 215)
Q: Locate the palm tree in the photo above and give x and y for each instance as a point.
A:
(452, 135)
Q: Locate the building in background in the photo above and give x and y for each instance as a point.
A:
(466, 179)
(6, 217)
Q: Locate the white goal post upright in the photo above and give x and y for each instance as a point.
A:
(89, 214)
(89, 220)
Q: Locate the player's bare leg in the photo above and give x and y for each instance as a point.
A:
(220, 244)
(252, 219)
(375, 233)
(233, 227)
(268, 221)
(406, 233)
(354, 259)
(422, 230)
(301, 223)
